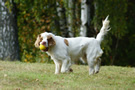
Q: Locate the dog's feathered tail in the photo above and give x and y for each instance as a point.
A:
(103, 30)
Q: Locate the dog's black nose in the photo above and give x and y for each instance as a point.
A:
(43, 43)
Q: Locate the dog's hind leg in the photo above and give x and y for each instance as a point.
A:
(97, 65)
(91, 68)
(91, 64)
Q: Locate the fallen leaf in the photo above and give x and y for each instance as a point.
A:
(5, 75)
(37, 80)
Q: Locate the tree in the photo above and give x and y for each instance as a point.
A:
(114, 43)
(62, 17)
(70, 17)
(85, 17)
(9, 46)
(61, 12)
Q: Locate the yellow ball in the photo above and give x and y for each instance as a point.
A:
(42, 47)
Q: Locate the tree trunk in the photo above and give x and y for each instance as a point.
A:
(95, 24)
(69, 6)
(85, 17)
(9, 46)
(77, 16)
(62, 19)
(70, 17)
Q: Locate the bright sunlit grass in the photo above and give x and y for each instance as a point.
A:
(39, 76)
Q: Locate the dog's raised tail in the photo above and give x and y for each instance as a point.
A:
(103, 30)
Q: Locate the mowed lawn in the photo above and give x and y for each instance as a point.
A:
(40, 76)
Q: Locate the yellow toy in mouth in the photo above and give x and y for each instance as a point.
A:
(42, 47)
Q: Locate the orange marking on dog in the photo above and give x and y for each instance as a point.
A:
(66, 42)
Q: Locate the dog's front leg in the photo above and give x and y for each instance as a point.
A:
(64, 66)
(68, 66)
(57, 67)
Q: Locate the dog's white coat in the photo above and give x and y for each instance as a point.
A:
(80, 47)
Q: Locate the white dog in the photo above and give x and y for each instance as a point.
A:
(65, 50)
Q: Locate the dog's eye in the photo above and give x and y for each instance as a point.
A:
(40, 40)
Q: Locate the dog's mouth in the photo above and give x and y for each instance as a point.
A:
(45, 50)
(44, 44)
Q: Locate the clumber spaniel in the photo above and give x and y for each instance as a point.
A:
(65, 50)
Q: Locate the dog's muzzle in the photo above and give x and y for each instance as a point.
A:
(46, 49)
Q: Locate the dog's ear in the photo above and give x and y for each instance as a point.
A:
(51, 41)
(37, 42)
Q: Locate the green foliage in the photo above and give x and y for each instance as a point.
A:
(115, 43)
(37, 16)
(34, 17)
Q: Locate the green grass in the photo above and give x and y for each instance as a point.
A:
(40, 76)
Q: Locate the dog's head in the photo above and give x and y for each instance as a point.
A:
(46, 39)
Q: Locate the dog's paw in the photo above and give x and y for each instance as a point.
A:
(67, 71)
(70, 70)
(56, 73)
(96, 72)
